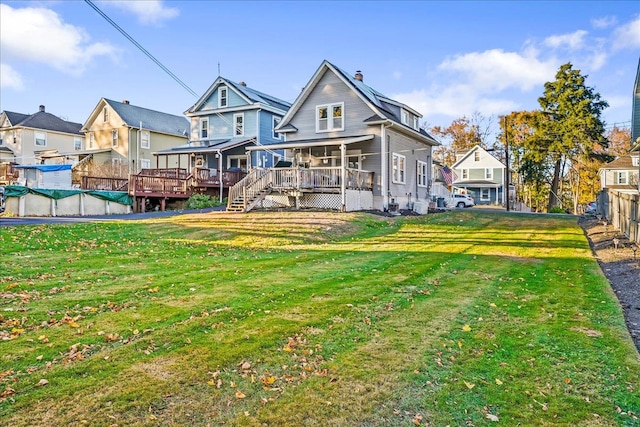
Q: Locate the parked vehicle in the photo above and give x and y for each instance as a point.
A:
(462, 201)
(591, 208)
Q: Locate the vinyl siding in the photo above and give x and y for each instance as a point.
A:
(413, 151)
(330, 89)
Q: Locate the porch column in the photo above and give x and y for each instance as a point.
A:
(220, 174)
(343, 173)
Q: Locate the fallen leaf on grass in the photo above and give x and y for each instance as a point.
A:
(466, 328)
(498, 382)
(469, 385)
(240, 395)
(42, 382)
(492, 417)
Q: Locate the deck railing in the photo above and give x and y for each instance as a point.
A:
(157, 185)
(211, 177)
(102, 183)
(324, 178)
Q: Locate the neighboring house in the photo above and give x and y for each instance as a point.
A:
(347, 147)
(443, 178)
(635, 113)
(121, 139)
(29, 139)
(480, 175)
(620, 174)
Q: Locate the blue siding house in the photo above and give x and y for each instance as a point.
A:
(227, 119)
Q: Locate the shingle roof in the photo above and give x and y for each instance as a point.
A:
(257, 96)
(151, 119)
(45, 121)
(622, 162)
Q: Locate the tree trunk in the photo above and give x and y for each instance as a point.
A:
(553, 194)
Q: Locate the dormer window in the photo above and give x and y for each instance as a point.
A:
(330, 117)
(222, 97)
(416, 125)
(404, 117)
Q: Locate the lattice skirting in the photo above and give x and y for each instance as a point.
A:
(355, 201)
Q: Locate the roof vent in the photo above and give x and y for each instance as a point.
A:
(358, 75)
(42, 108)
(243, 84)
(125, 101)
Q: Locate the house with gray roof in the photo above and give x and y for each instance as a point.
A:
(347, 147)
(37, 138)
(121, 139)
(621, 173)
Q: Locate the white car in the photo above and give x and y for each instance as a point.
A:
(462, 201)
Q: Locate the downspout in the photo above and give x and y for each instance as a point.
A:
(383, 167)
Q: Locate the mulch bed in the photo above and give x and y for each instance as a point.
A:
(621, 267)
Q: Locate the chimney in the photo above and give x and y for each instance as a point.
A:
(42, 108)
(125, 101)
(243, 84)
(358, 75)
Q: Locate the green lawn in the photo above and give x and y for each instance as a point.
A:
(463, 318)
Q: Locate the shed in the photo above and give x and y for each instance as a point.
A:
(45, 176)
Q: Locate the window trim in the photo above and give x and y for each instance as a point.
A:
(77, 144)
(399, 174)
(148, 139)
(221, 97)
(204, 128)
(92, 140)
(145, 164)
(330, 119)
(114, 137)
(423, 173)
(235, 124)
(620, 174)
(482, 197)
(240, 158)
(476, 156)
(404, 117)
(105, 114)
(416, 123)
(44, 139)
(275, 121)
(488, 173)
(464, 174)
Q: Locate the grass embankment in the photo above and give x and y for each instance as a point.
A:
(311, 319)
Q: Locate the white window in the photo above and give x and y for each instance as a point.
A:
(416, 124)
(237, 162)
(77, 144)
(41, 139)
(105, 115)
(634, 161)
(484, 194)
(330, 117)
(465, 173)
(422, 174)
(405, 117)
(488, 173)
(222, 97)
(621, 177)
(114, 138)
(204, 128)
(145, 139)
(399, 168)
(145, 164)
(476, 156)
(92, 140)
(238, 124)
(276, 121)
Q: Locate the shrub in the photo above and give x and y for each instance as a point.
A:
(557, 209)
(201, 201)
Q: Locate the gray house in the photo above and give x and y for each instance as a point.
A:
(480, 175)
(347, 147)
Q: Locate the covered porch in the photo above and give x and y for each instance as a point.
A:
(483, 192)
(323, 174)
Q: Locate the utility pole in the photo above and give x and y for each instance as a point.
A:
(506, 162)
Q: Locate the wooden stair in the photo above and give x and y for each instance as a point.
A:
(250, 190)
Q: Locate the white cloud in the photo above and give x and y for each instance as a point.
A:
(149, 12)
(604, 22)
(571, 41)
(627, 36)
(9, 78)
(495, 69)
(39, 35)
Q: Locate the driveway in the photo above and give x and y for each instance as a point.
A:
(36, 220)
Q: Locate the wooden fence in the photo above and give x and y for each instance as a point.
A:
(621, 208)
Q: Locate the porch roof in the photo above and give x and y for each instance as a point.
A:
(477, 184)
(313, 143)
(216, 147)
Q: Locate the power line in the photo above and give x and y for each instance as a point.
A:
(139, 46)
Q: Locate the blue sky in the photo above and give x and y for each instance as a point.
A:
(446, 59)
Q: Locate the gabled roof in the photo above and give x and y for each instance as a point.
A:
(151, 119)
(251, 96)
(211, 146)
(43, 120)
(471, 151)
(378, 102)
(621, 163)
(134, 116)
